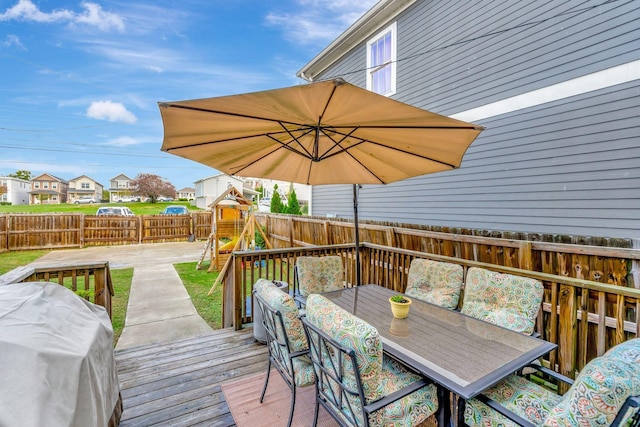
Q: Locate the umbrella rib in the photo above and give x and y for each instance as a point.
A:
(362, 141)
(229, 113)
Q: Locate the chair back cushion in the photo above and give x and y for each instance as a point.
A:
(319, 274)
(353, 333)
(435, 282)
(506, 300)
(283, 302)
(601, 388)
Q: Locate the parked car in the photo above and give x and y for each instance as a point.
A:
(85, 200)
(114, 210)
(175, 210)
(165, 199)
(128, 199)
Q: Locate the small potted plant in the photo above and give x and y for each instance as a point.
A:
(400, 306)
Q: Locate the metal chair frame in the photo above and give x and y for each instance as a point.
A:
(631, 403)
(277, 342)
(331, 390)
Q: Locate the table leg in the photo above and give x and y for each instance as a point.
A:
(443, 415)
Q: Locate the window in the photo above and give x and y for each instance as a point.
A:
(85, 186)
(381, 62)
(45, 185)
(36, 185)
(54, 185)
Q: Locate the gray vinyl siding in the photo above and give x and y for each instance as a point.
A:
(571, 166)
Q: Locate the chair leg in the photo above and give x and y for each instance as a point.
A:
(315, 411)
(293, 404)
(266, 381)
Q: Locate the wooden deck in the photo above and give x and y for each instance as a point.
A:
(178, 383)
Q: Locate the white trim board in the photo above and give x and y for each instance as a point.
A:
(599, 80)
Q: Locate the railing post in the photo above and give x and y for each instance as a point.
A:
(525, 255)
(237, 292)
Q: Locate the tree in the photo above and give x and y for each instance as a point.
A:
(276, 202)
(152, 186)
(293, 206)
(3, 189)
(22, 174)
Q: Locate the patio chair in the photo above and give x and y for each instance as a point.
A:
(606, 392)
(355, 382)
(286, 340)
(435, 282)
(503, 299)
(316, 275)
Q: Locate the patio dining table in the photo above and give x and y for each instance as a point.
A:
(461, 354)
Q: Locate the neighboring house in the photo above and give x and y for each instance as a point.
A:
(188, 193)
(303, 192)
(120, 188)
(47, 189)
(83, 186)
(208, 189)
(17, 190)
(557, 86)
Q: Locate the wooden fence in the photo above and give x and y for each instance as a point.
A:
(76, 230)
(582, 259)
(92, 281)
(583, 317)
(4, 233)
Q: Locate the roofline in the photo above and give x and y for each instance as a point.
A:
(368, 24)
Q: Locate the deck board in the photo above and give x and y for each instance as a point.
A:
(178, 383)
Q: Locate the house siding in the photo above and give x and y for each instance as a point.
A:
(567, 166)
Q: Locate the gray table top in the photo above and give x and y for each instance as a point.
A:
(463, 354)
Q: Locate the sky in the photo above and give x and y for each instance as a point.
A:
(80, 80)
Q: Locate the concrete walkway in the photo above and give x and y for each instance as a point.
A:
(159, 308)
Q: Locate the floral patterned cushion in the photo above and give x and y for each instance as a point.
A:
(319, 274)
(594, 399)
(503, 299)
(435, 282)
(601, 388)
(520, 396)
(380, 375)
(284, 303)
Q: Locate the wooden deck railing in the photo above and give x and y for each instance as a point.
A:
(583, 317)
(91, 281)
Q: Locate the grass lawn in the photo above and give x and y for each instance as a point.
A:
(121, 280)
(198, 284)
(14, 259)
(138, 208)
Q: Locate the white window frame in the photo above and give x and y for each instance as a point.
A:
(372, 68)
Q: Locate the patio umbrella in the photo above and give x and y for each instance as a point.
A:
(329, 132)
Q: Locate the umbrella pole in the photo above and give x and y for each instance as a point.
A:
(357, 239)
(357, 233)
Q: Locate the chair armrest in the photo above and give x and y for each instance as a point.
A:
(396, 395)
(550, 372)
(632, 403)
(300, 300)
(504, 411)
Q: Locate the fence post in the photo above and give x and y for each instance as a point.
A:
(525, 255)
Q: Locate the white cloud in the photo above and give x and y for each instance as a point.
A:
(111, 111)
(93, 15)
(319, 21)
(12, 40)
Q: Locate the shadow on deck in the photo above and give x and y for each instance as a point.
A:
(178, 383)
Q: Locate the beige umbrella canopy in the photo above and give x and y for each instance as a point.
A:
(330, 132)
